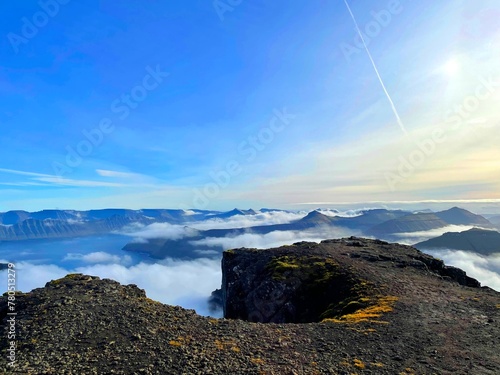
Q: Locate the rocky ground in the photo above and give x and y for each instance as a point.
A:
(432, 325)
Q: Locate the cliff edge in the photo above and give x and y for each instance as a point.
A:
(365, 307)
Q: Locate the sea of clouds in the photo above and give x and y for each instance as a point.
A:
(189, 283)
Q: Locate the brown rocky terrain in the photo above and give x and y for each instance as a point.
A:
(364, 307)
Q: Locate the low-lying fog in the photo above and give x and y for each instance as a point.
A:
(188, 283)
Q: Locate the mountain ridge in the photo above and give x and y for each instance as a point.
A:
(477, 240)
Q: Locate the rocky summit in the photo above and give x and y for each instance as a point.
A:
(350, 306)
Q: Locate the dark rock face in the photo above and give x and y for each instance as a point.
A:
(215, 301)
(281, 287)
(309, 282)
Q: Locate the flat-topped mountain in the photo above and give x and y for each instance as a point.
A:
(418, 222)
(23, 225)
(367, 307)
(477, 240)
(424, 221)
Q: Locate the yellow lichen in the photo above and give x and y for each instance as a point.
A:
(180, 341)
(377, 364)
(221, 345)
(407, 371)
(257, 361)
(384, 304)
(359, 363)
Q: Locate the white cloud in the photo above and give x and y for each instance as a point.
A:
(74, 221)
(184, 283)
(99, 257)
(275, 238)
(411, 238)
(345, 213)
(23, 173)
(245, 221)
(175, 232)
(80, 183)
(116, 174)
(161, 230)
(485, 269)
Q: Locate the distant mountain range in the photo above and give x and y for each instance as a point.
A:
(424, 221)
(23, 225)
(379, 223)
(477, 240)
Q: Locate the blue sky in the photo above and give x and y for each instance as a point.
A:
(205, 104)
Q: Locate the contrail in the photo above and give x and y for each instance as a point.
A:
(400, 123)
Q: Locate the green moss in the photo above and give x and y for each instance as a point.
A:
(68, 276)
(358, 298)
(345, 298)
(311, 269)
(72, 275)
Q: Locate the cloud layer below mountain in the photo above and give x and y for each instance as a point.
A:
(273, 239)
(415, 237)
(486, 269)
(174, 282)
(245, 221)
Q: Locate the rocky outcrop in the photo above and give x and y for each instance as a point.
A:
(288, 285)
(394, 310)
(308, 282)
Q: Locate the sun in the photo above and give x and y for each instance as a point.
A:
(451, 67)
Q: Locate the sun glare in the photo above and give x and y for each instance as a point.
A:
(452, 67)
